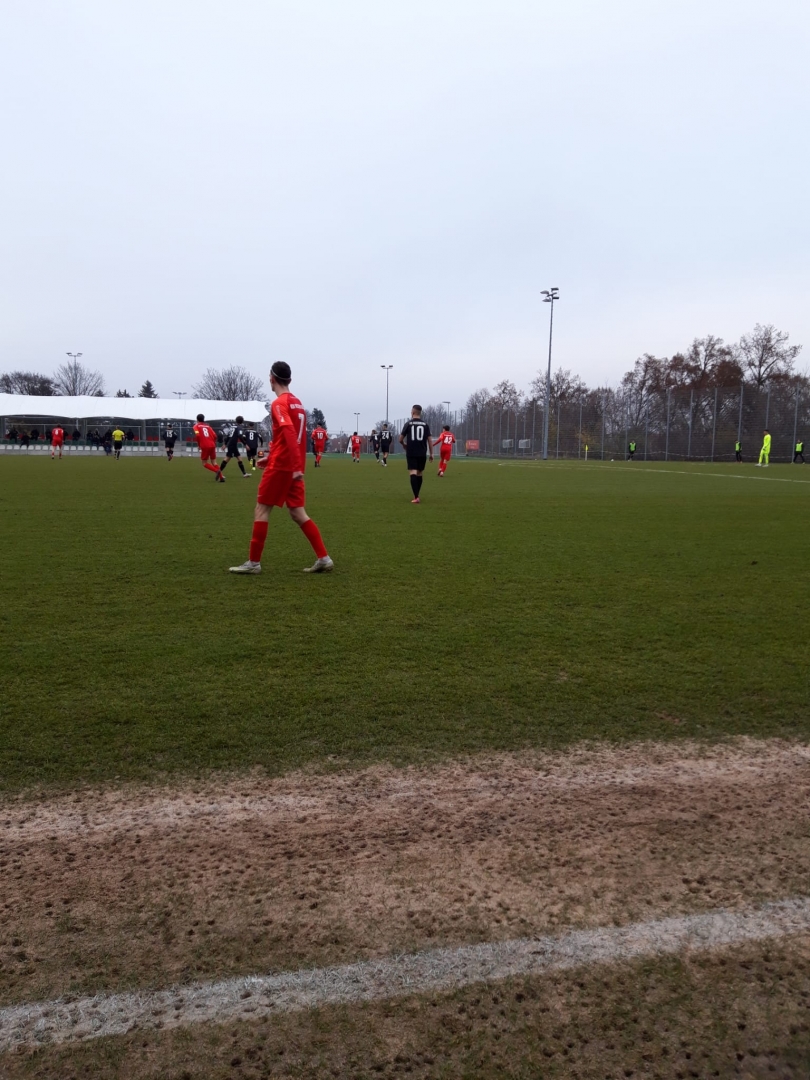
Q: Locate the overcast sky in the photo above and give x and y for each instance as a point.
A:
(345, 184)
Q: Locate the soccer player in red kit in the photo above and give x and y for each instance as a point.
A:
(356, 442)
(207, 441)
(445, 444)
(319, 438)
(57, 441)
(282, 482)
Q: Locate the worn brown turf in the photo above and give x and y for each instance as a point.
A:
(134, 889)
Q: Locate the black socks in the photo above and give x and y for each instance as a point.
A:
(416, 485)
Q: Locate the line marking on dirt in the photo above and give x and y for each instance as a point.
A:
(635, 471)
(430, 971)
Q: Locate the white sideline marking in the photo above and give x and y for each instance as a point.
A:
(651, 472)
(430, 971)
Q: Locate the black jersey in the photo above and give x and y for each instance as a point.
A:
(251, 440)
(375, 442)
(169, 437)
(386, 438)
(235, 435)
(416, 434)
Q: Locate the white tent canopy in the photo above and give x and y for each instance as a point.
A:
(137, 408)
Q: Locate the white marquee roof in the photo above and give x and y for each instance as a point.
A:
(137, 408)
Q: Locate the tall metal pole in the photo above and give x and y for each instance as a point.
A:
(579, 450)
(534, 424)
(559, 407)
(603, 429)
(768, 406)
(386, 368)
(646, 429)
(550, 295)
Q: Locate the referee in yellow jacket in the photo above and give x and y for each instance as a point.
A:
(765, 452)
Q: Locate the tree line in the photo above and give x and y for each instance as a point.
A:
(74, 379)
(761, 359)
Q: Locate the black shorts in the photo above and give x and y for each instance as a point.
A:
(170, 444)
(417, 463)
(117, 445)
(232, 450)
(250, 451)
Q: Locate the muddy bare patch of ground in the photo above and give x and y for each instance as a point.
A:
(741, 1013)
(134, 889)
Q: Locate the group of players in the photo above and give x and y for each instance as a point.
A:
(282, 481)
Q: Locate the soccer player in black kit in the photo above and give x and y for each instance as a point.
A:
(386, 438)
(251, 442)
(415, 438)
(235, 436)
(169, 439)
(375, 443)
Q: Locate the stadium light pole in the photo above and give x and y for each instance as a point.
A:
(357, 421)
(447, 403)
(386, 368)
(180, 393)
(549, 296)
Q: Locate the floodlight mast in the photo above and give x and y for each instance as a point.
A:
(549, 296)
(386, 368)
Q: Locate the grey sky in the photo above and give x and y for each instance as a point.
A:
(347, 184)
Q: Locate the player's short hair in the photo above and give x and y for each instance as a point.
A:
(417, 408)
(446, 427)
(281, 371)
(354, 433)
(200, 416)
(240, 420)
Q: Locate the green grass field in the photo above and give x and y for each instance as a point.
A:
(519, 605)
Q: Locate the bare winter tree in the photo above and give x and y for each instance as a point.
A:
(765, 355)
(26, 382)
(507, 396)
(478, 400)
(73, 379)
(230, 384)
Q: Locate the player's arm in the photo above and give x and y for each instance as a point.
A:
(430, 445)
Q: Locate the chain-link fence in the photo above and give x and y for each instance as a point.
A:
(677, 425)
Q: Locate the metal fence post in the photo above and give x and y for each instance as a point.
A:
(559, 412)
(666, 445)
(689, 437)
(646, 429)
(602, 458)
(767, 406)
(739, 422)
(579, 448)
(795, 426)
(714, 422)
(534, 424)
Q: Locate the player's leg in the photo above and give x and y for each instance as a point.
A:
(209, 461)
(323, 564)
(240, 463)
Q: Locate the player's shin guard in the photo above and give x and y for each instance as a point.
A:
(416, 483)
(257, 540)
(313, 534)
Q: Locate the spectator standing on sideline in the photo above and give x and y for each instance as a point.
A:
(799, 453)
(765, 452)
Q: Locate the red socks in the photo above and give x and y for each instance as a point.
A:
(313, 534)
(210, 467)
(309, 529)
(257, 540)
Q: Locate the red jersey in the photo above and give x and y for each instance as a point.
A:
(57, 435)
(319, 437)
(446, 440)
(205, 435)
(356, 441)
(288, 452)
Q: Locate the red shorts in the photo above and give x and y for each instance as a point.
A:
(57, 442)
(208, 453)
(277, 488)
(445, 455)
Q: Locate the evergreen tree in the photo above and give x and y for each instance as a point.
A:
(122, 393)
(147, 390)
(318, 419)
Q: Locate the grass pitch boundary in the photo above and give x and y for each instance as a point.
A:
(658, 471)
(429, 971)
